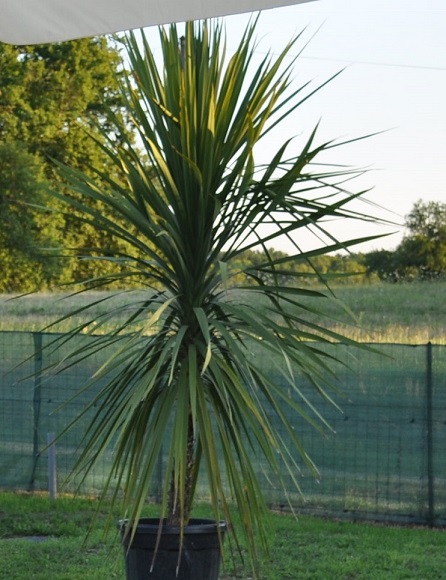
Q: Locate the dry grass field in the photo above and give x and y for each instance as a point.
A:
(411, 313)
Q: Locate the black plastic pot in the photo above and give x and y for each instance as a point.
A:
(200, 554)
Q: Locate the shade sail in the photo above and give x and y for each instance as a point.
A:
(41, 21)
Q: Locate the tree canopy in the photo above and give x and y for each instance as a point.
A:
(422, 252)
(421, 255)
(24, 232)
(50, 95)
(52, 99)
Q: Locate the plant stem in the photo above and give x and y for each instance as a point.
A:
(179, 512)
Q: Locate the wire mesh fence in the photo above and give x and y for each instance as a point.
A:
(383, 457)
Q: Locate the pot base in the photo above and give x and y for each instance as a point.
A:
(200, 555)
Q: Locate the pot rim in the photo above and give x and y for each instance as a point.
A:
(152, 525)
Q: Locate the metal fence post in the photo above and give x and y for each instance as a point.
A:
(37, 397)
(429, 437)
(52, 474)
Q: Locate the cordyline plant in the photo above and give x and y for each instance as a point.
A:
(188, 200)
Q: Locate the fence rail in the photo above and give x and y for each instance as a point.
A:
(383, 460)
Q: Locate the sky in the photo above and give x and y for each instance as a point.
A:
(394, 52)
(393, 56)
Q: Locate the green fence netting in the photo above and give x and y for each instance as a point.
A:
(384, 458)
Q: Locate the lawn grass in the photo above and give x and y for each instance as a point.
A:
(41, 540)
(412, 313)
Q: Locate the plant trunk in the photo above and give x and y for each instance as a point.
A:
(179, 514)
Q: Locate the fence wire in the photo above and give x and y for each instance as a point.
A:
(383, 457)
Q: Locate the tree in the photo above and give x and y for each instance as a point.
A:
(383, 263)
(346, 269)
(24, 230)
(428, 220)
(422, 253)
(52, 96)
(53, 99)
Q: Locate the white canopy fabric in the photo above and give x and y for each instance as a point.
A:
(42, 21)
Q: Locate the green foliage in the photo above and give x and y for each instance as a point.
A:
(422, 253)
(382, 263)
(52, 100)
(427, 219)
(187, 209)
(24, 231)
(50, 94)
(336, 269)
